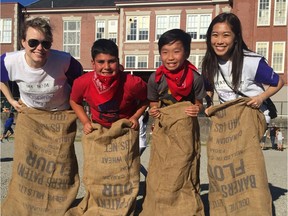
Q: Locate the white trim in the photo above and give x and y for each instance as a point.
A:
(64, 10)
(169, 3)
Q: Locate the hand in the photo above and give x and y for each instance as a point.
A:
(134, 123)
(207, 110)
(154, 112)
(192, 110)
(16, 105)
(255, 102)
(87, 128)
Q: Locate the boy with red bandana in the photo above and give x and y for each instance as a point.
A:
(177, 87)
(110, 93)
(177, 79)
(116, 101)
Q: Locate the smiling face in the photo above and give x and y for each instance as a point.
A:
(105, 64)
(222, 40)
(173, 55)
(35, 56)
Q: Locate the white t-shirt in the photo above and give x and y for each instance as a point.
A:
(44, 88)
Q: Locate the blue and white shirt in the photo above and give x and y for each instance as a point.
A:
(255, 73)
(46, 88)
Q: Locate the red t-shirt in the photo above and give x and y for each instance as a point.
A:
(130, 92)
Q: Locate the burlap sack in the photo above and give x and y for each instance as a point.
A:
(236, 168)
(173, 174)
(45, 178)
(111, 171)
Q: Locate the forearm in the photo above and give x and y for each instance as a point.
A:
(141, 109)
(5, 89)
(271, 90)
(80, 112)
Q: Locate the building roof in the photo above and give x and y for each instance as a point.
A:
(41, 4)
(70, 3)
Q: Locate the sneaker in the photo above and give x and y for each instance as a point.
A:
(7, 138)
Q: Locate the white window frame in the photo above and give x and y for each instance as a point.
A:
(282, 10)
(157, 61)
(262, 48)
(200, 28)
(5, 30)
(166, 24)
(75, 35)
(280, 68)
(137, 61)
(196, 59)
(267, 15)
(142, 25)
(110, 29)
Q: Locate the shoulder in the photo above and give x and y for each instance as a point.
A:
(11, 57)
(133, 82)
(252, 56)
(131, 78)
(83, 80)
(60, 55)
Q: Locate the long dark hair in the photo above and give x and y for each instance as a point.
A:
(210, 66)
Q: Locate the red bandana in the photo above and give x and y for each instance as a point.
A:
(180, 82)
(106, 86)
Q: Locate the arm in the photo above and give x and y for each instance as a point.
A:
(4, 87)
(195, 108)
(154, 109)
(270, 91)
(141, 109)
(81, 114)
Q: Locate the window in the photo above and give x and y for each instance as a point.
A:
(196, 60)
(165, 23)
(137, 62)
(280, 12)
(262, 48)
(72, 38)
(137, 28)
(263, 12)
(197, 25)
(278, 56)
(158, 61)
(107, 29)
(5, 30)
(100, 29)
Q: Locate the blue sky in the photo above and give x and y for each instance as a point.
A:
(23, 2)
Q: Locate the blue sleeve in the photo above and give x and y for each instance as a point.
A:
(265, 74)
(4, 72)
(74, 71)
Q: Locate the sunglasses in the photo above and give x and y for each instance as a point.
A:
(34, 43)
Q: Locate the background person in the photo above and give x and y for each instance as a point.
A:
(8, 131)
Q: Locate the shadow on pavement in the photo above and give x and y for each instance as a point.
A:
(204, 197)
(276, 192)
(7, 159)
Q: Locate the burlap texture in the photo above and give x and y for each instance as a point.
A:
(45, 178)
(238, 182)
(173, 174)
(111, 171)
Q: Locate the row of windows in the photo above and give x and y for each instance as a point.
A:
(264, 12)
(278, 57)
(278, 54)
